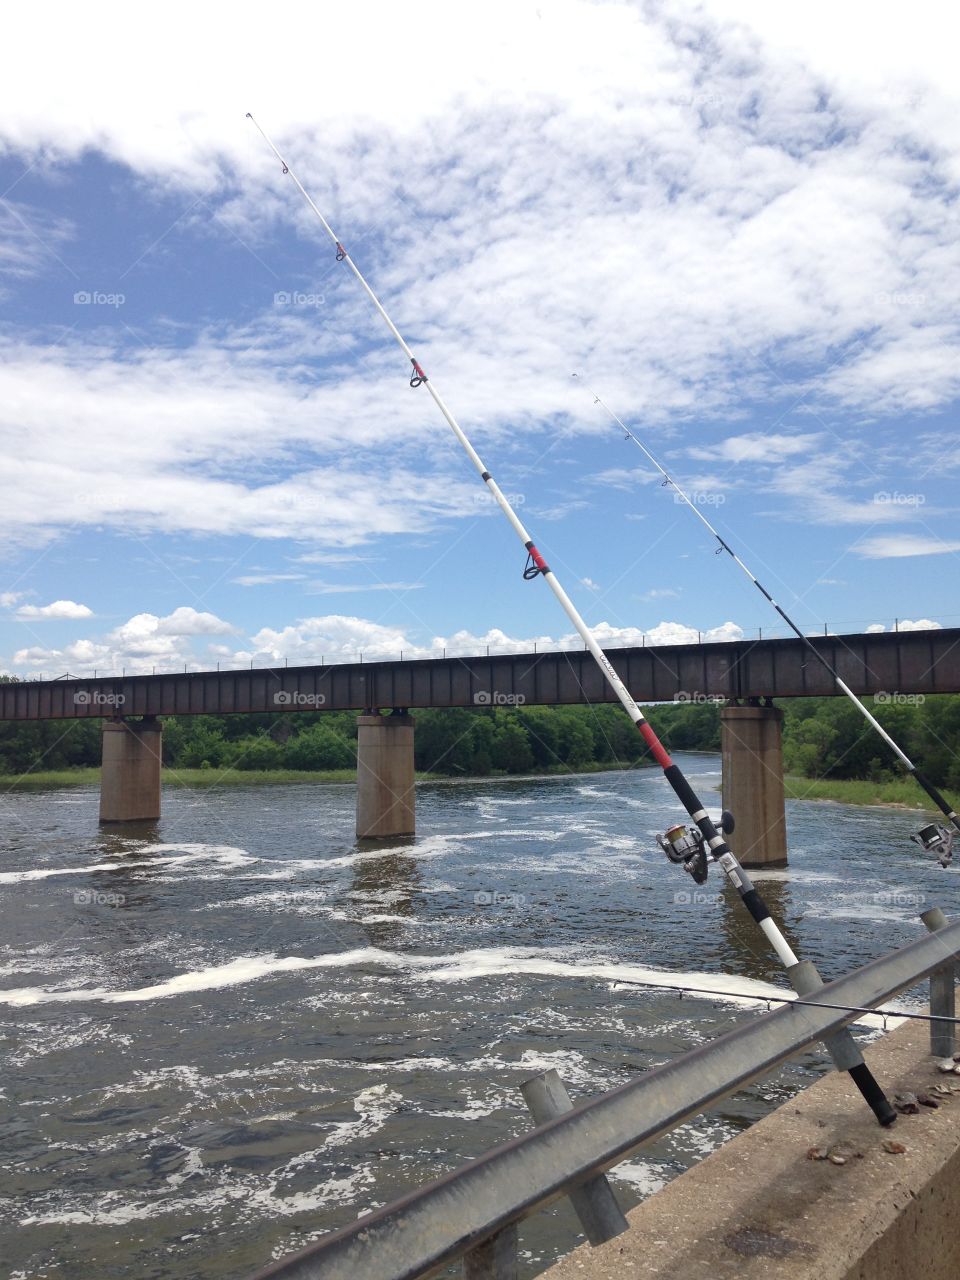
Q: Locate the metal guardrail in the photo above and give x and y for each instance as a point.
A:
(473, 1211)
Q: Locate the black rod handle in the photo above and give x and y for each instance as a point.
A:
(873, 1095)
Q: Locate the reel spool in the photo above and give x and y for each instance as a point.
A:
(935, 838)
(686, 846)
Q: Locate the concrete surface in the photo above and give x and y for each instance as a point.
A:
(751, 741)
(760, 1209)
(130, 776)
(385, 779)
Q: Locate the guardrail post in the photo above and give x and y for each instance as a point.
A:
(942, 994)
(495, 1259)
(594, 1202)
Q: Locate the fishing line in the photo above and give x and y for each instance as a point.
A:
(690, 850)
(931, 838)
(709, 992)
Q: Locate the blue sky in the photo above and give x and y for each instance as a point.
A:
(739, 224)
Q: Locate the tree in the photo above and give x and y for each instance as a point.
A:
(319, 748)
(511, 748)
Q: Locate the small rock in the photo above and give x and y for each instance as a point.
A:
(906, 1104)
(926, 1101)
(894, 1148)
(817, 1153)
(946, 1064)
(841, 1152)
(942, 1091)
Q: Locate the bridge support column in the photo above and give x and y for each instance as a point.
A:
(130, 775)
(385, 790)
(751, 740)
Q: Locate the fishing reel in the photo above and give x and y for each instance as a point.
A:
(687, 847)
(935, 838)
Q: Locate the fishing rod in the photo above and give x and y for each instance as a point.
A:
(683, 847)
(933, 837)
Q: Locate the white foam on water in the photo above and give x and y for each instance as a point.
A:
(465, 966)
(790, 875)
(645, 1178)
(252, 1199)
(386, 896)
(305, 902)
(214, 978)
(43, 873)
(193, 1165)
(479, 1108)
(224, 855)
(374, 1106)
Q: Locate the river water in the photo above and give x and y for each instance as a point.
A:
(228, 1032)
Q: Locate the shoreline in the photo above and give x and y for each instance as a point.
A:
(897, 793)
(56, 780)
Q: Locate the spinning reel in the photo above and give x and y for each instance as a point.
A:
(935, 838)
(687, 847)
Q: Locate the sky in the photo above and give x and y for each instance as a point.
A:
(737, 222)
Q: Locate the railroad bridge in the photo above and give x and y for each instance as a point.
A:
(745, 675)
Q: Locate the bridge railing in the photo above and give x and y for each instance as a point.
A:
(680, 636)
(473, 1212)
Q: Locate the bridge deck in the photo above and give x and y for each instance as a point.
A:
(893, 664)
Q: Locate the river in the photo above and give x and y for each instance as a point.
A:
(225, 1033)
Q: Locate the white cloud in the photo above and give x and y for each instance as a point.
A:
(58, 610)
(138, 646)
(350, 588)
(9, 598)
(146, 643)
(757, 447)
(905, 624)
(625, 478)
(265, 579)
(187, 621)
(896, 545)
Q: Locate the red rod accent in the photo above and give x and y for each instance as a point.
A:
(419, 371)
(655, 745)
(538, 560)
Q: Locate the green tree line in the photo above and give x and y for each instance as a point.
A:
(823, 737)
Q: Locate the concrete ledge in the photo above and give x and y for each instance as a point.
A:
(759, 1209)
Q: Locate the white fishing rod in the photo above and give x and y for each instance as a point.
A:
(931, 837)
(688, 849)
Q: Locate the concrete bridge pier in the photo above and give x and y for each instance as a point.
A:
(385, 790)
(130, 775)
(751, 739)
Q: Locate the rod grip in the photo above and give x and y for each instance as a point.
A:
(941, 803)
(873, 1095)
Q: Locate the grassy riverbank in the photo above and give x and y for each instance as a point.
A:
(55, 778)
(899, 793)
(52, 779)
(902, 793)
